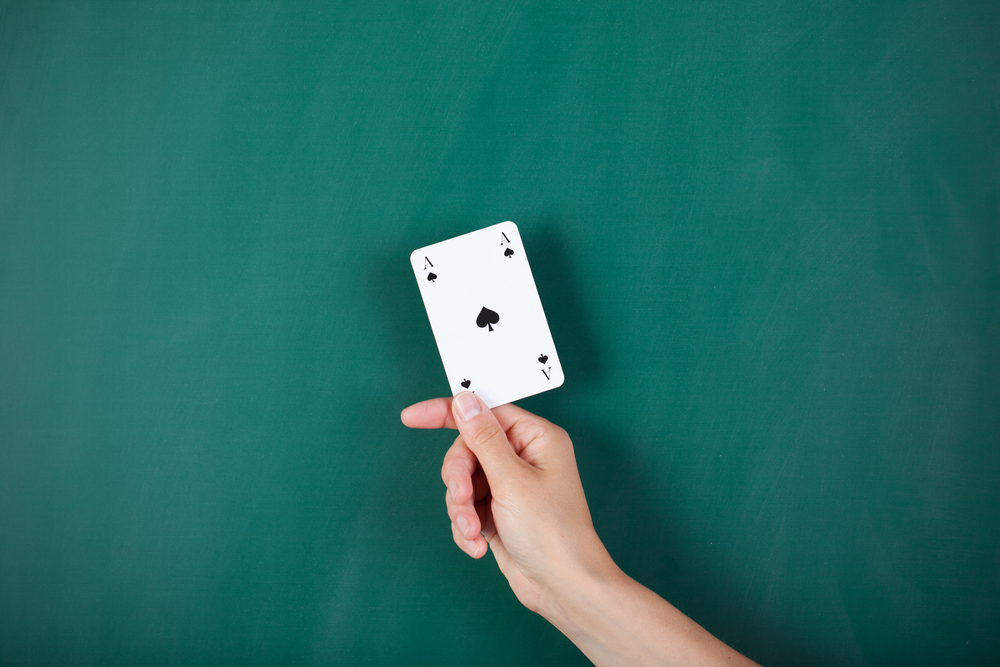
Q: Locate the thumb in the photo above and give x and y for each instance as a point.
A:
(483, 434)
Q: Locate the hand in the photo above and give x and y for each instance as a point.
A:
(513, 483)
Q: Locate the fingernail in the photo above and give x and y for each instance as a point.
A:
(453, 489)
(471, 547)
(463, 525)
(467, 405)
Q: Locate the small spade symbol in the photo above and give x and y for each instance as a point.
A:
(487, 318)
(432, 276)
(542, 359)
(508, 253)
(466, 383)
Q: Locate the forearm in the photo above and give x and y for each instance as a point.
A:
(615, 620)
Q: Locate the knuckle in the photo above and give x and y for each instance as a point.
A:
(450, 470)
(487, 431)
(542, 430)
(558, 437)
(454, 509)
(547, 429)
(458, 539)
(530, 428)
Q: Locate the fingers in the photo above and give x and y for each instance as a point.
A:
(467, 532)
(466, 485)
(457, 470)
(475, 547)
(436, 413)
(471, 525)
(464, 517)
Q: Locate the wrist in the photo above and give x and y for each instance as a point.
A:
(581, 587)
(585, 607)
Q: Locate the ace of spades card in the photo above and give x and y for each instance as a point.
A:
(486, 316)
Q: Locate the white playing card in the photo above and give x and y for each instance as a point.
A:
(486, 315)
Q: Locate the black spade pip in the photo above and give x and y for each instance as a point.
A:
(487, 318)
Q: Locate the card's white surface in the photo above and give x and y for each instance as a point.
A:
(517, 358)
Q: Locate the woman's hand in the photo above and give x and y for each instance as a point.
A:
(513, 483)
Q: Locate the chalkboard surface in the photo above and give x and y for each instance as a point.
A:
(766, 235)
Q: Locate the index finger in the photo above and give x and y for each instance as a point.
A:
(436, 413)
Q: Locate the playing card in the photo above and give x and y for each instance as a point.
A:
(486, 316)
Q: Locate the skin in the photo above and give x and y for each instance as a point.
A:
(513, 487)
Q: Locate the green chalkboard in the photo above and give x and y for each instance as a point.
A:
(766, 235)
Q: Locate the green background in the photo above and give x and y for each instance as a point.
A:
(767, 237)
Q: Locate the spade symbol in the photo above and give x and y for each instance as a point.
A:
(508, 253)
(466, 383)
(487, 318)
(542, 359)
(432, 276)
